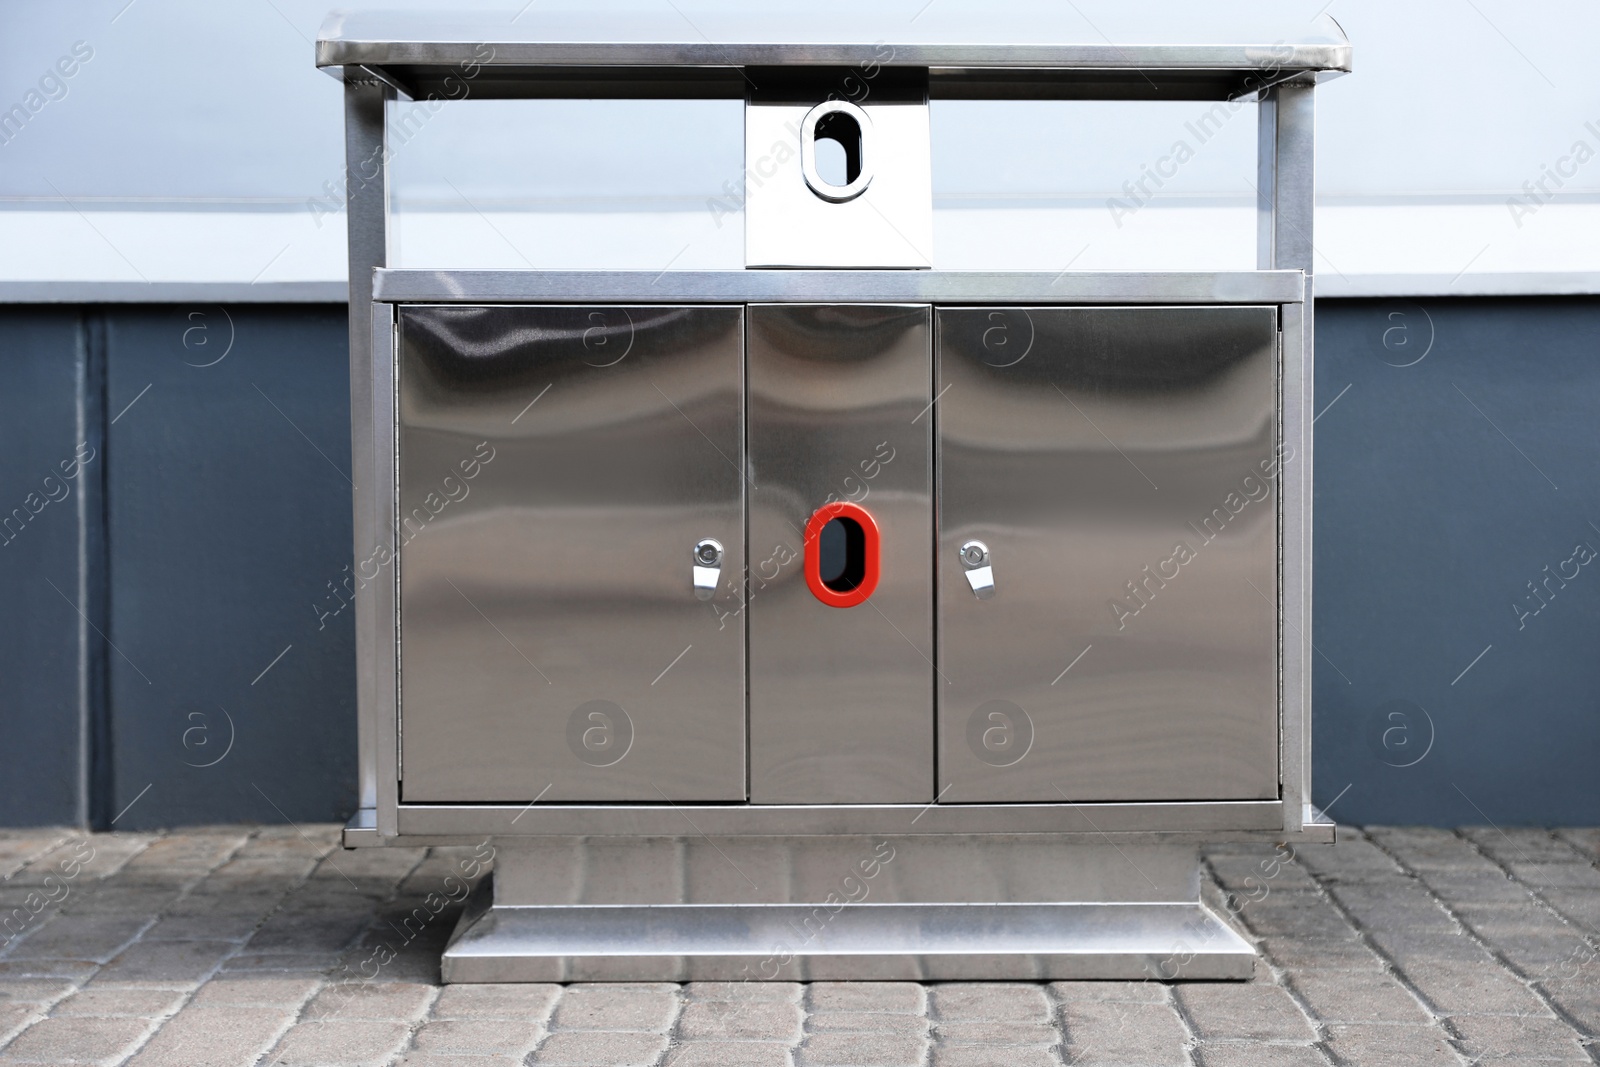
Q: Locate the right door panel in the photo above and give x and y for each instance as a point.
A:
(1120, 467)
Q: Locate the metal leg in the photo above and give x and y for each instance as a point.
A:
(366, 210)
(1286, 202)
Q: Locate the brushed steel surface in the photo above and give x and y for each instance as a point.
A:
(836, 940)
(892, 868)
(685, 40)
(840, 698)
(1286, 203)
(887, 224)
(1214, 819)
(1084, 446)
(853, 286)
(366, 224)
(449, 824)
(552, 645)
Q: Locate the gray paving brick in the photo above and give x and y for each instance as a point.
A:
(1517, 1037)
(261, 989)
(1475, 990)
(1237, 1054)
(214, 1036)
(1392, 1046)
(1255, 1011)
(345, 1042)
(848, 1050)
(1586, 839)
(729, 1054)
(1297, 914)
(598, 1048)
(1132, 992)
(15, 1017)
(1358, 997)
(73, 970)
(398, 1001)
(747, 1020)
(743, 991)
(1579, 998)
(1323, 954)
(1112, 1032)
(33, 990)
(979, 1056)
(440, 1059)
(996, 1034)
(133, 1001)
(1491, 885)
(479, 1037)
(530, 1001)
(1518, 844)
(616, 1007)
(866, 996)
(990, 1000)
(1572, 875)
(77, 1039)
(81, 937)
(866, 1022)
(178, 962)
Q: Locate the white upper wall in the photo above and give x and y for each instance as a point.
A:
(190, 141)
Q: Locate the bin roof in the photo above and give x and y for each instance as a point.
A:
(1027, 49)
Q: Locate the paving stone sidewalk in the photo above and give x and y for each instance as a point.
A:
(271, 946)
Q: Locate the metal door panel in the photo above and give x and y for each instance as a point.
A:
(557, 467)
(840, 697)
(1120, 465)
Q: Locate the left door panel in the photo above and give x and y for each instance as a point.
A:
(558, 468)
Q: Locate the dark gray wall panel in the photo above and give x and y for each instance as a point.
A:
(41, 359)
(1443, 488)
(228, 518)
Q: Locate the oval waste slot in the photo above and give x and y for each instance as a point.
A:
(842, 555)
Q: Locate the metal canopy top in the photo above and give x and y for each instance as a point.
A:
(999, 49)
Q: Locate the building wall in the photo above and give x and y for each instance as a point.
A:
(210, 675)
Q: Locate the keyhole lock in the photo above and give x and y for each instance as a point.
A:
(708, 553)
(838, 125)
(707, 567)
(978, 572)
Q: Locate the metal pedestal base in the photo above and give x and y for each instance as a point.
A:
(917, 927)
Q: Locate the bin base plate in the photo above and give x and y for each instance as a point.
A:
(867, 941)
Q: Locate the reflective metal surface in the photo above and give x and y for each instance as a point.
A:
(853, 286)
(557, 465)
(1213, 819)
(704, 49)
(1122, 463)
(792, 909)
(840, 698)
(886, 220)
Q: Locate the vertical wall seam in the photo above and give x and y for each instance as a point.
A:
(80, 358)
(95, 576)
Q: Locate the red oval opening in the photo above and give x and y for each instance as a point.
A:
(841, 553)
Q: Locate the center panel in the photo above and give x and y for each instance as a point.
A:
(840, 646)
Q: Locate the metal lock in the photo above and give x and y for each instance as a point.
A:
(707, 567)
(979, 573)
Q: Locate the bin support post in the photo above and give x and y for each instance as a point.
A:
(366, 221)
(1286, 202)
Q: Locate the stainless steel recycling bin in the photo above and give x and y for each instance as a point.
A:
(841, 616)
